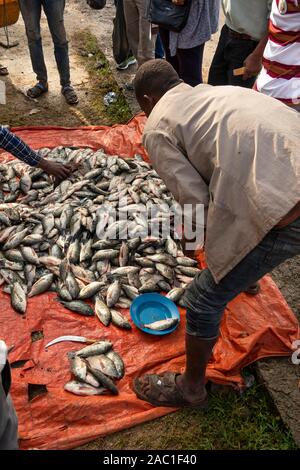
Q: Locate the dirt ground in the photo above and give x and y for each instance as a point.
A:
(51, 109)
(280, 375)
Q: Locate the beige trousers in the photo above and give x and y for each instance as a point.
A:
(138, 30)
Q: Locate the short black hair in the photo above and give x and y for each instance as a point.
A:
(155, 77)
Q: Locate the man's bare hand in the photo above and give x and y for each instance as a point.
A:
(58, 170)
(252, 65)
(178, 2)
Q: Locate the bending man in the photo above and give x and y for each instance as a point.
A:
(237, 153)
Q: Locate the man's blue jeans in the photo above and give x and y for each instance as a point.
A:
(54, 11)
(206, 301)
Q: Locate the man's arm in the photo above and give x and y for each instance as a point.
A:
(179, 175)
(253, 62)
(17, 147)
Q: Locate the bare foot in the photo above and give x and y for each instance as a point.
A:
(191, 394)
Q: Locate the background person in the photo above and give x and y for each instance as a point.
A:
(54, 11)
(209, 145)
(138, 30)
(241, 43)
(122, 53)
(184, 50)
(280, 75)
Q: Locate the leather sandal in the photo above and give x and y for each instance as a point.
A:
(3, 70)
(164, 391)
(70, 95)
(37, 90)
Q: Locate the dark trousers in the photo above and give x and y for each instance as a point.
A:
(159, 48)
(230, 54)
(54, 11)
(186, 62)
(206, 301)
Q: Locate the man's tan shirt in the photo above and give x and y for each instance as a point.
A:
(234, 150)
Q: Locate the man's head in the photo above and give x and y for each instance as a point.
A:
(152, 81)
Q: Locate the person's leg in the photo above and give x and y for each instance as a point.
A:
(165, 39)
(236, 53)
(206, 301)
(122, 56)
(218, 69)
(54, 11)
(159, 50)
(131, 14)
(31, 13)
(146, 40)
(190, 64)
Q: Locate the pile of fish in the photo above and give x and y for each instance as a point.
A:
(95, 368)
(69, 238)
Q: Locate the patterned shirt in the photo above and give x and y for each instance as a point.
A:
(14, 145)
(202, 22)
(280, 75)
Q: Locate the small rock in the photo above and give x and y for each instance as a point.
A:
(83, 53)
(99, 65)
(34, 111)
(110, 98)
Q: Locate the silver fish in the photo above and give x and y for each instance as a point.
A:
(161, 325)
(78, 366)
(113, 293)
(83, 389)
(102, 311)
(78, 306)
(118, 361)
(119, 320)
(105, 365)
(104, 380)
(41, 285)
(18, 298)
(99, 347)
(90, 290)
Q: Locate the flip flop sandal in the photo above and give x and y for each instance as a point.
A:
(70, 95)
(164, 391)
(36, 91)
(3, 71)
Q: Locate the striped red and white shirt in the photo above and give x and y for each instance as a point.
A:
(280, 75)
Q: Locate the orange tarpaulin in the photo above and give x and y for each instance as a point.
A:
(252, 328)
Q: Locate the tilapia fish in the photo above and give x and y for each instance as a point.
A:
(83, 389)
(161, 325)
(95, 369)
(97, 236)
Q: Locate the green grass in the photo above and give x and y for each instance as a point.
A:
(232, 422)
(101, 82)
